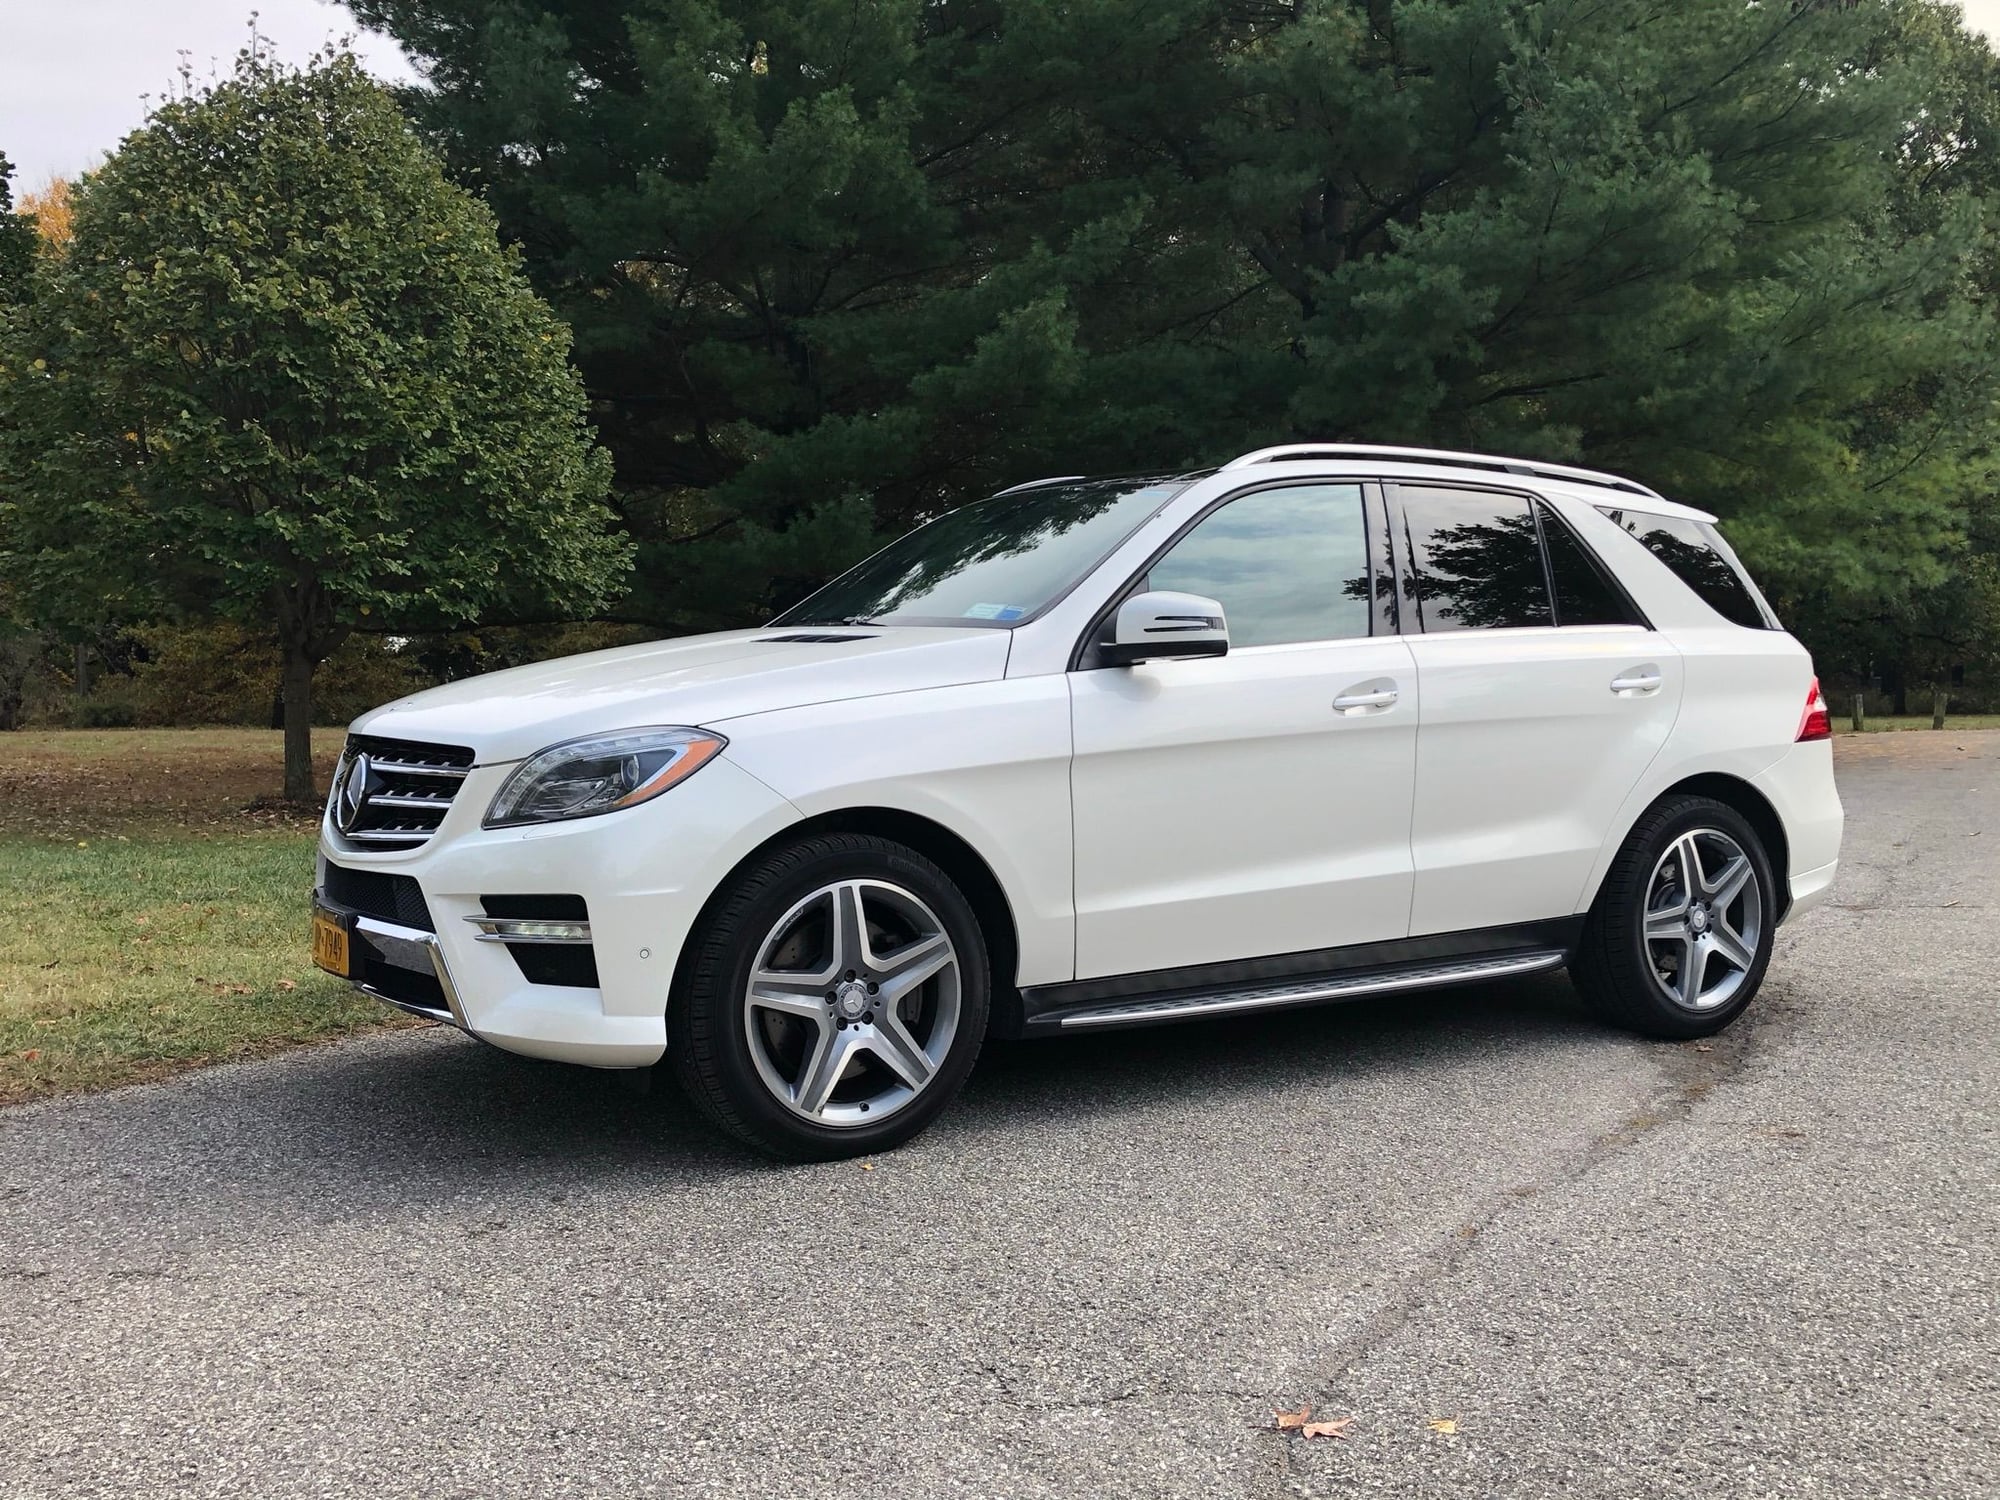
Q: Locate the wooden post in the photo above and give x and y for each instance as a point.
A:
(1860, 712)
(1937, 708)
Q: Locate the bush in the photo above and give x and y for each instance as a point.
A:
(216, 673)
(220, 673)
(112, 704)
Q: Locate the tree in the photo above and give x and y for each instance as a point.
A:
(284, 371)
(836, 266)
(53, 208)
(17, 240)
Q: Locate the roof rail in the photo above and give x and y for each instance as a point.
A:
(1029, 484)
(1291, 451)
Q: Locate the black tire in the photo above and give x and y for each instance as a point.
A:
(1619, 973)
(709, 1032)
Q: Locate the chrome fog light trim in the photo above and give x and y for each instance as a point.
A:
(526, 930)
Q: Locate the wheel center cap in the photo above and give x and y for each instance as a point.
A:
(851, 999)
(1698, 920)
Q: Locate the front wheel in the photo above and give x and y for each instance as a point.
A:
(1678, 939)
(835, 1000)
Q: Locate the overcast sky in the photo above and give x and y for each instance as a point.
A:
(74, 73)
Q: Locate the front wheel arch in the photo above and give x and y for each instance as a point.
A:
(942, 847)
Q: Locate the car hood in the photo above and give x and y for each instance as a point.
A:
(702, 680)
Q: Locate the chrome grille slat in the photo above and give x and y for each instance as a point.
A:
(414, 768)
(409, 788)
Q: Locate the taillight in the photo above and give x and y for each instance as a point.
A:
(1817, 724)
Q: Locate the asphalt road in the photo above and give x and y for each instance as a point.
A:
(410, 1266)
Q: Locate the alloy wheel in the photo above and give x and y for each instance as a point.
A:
(1704, 919)
(852, 1003)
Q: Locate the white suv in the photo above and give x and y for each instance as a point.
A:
(1328, 721)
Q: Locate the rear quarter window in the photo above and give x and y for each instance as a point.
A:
(1692, 551)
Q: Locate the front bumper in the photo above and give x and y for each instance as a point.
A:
(400, 966)
(644, 875)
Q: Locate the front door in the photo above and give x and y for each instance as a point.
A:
(1258, 803)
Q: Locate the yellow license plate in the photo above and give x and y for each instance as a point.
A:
(329, 944)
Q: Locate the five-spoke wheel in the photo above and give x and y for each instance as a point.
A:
(1704, 919)
(853, 1002)
(834, 1000)
(1677, 941)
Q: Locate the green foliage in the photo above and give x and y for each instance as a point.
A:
(220, 672)
(836, 266)
(17, 240)
(285, 372)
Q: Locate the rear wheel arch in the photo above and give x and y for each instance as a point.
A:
(947, 850)
(1756, 809)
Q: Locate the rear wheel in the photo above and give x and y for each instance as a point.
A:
(834, 1002)
(1679, 937)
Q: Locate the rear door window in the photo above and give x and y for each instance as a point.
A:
(1690, 550)
(1475, 560)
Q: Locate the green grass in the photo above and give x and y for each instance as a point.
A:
(1844, 724)
(148, 921)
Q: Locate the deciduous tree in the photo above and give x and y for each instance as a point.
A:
(283, 370)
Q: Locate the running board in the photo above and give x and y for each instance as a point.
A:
(1307, 991)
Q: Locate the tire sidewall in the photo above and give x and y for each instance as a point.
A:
(730, 947)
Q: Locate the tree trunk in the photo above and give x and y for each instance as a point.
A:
(82, 670)
(1860, 712)
(298, 724)
(1937, 708)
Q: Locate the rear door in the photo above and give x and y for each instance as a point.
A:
(1545, 697)
(1258, 803)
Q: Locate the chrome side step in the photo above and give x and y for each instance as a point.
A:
(1305, 991)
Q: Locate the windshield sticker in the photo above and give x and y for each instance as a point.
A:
(995, 612)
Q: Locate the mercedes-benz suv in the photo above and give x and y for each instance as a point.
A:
(1325, 722)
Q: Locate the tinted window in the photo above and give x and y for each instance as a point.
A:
(1287, 564)
(1585, 594)
(994, 562)
(1476, 560)
(1687, 547)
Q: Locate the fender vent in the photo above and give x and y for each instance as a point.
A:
(809, 640)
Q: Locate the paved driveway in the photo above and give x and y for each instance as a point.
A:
(411, 1266)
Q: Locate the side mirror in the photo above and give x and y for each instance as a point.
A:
(1153, 626)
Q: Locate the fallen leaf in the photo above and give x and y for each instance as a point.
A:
(1703, 1047)
(1285, 1421)
(868, 1166)
(1337, 1428)
(288, 984)
(31, 1054)
(1446, 1425)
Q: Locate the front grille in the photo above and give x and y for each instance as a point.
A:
(387, 898)
(404, 794)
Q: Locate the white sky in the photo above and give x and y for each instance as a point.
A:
(73, 73)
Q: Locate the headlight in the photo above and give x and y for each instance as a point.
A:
(600, 774)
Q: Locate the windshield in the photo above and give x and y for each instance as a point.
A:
(995, 562)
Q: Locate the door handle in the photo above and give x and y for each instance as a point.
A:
(1644, 679)
(1366, 698)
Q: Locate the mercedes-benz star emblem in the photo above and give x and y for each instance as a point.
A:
(351, 799)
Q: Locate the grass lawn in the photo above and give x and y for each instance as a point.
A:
(1844, 724)
(153, 908)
